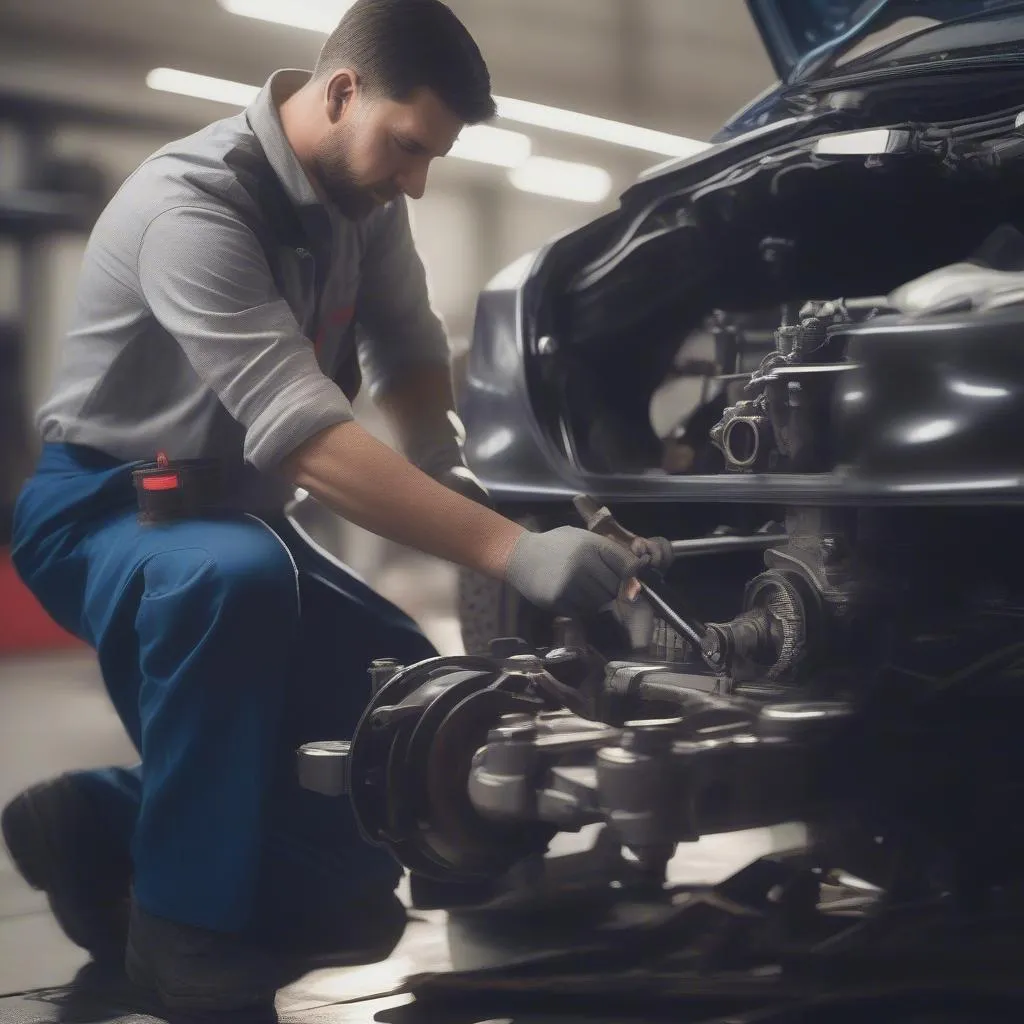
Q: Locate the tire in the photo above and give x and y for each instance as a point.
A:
(489, 609)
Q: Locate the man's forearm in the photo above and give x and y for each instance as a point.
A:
(370, 485)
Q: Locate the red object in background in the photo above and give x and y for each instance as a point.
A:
(24, 626)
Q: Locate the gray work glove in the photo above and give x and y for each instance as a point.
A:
(570, 570)
(637, 616)
(655, 552)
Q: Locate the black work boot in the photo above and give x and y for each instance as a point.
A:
(200, 976)
(365, 931)
(60, 845)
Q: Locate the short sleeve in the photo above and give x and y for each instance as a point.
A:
(206, 280)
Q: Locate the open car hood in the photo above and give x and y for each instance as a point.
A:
(805, 37)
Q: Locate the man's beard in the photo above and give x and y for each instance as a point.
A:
(331, 165)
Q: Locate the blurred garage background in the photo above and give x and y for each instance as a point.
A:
(592, 92)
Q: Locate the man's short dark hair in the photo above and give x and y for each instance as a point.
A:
(398, 46)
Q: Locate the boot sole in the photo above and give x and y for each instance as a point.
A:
(26, 824)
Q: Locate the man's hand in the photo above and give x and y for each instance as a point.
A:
(570, 570)
(655, 552)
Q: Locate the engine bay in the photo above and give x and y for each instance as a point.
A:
(805, 373)
(724, 330)
(866, 687)
(851, 690)
(843, 610)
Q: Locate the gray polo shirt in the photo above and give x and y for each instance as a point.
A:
(223, 311)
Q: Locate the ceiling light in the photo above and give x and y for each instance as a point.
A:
(479, 143)
(591, 127)
(202, 87)
(561, 180)
(323, 16)
(314, 15)
(488, 145)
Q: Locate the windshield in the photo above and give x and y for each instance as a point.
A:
(799, 32)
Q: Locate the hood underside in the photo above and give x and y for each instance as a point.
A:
(805, 38)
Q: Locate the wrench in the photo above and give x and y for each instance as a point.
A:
(599, 519)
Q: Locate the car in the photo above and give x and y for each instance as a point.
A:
(860, 216)
(799, 357)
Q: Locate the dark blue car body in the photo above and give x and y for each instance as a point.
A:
(520, 441)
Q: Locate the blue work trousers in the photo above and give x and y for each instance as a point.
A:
(224, 644)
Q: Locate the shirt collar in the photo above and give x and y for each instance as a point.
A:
(266, 125)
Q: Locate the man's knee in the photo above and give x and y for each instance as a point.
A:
(227, 568)
(253, 566)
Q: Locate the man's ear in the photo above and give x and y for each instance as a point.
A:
(339, 92)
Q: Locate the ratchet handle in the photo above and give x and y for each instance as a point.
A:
(599, 519)
(666, 602)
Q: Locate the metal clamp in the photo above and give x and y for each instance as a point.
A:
(324, 767)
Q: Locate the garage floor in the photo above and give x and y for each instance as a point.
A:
(53, 717)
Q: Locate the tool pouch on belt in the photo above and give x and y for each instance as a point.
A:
(182, 489)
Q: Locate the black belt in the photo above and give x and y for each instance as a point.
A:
(182, 489)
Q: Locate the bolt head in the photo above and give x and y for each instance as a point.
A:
(831, 549)
(516, 726)
(651, 737)
(516, 718)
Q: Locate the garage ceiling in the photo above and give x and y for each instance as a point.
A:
(681, 66)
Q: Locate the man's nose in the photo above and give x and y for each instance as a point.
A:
(413, 182)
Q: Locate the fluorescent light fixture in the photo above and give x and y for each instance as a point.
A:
(562, 180)
(488, 145)
(479, 143)
(323, 16)
(588, 126)
(202, 87)
(314, 15)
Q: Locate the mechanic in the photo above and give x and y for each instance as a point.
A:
(232, 296)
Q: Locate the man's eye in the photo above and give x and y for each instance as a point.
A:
(407, 146)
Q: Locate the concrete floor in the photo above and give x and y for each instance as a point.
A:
(54, 716)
